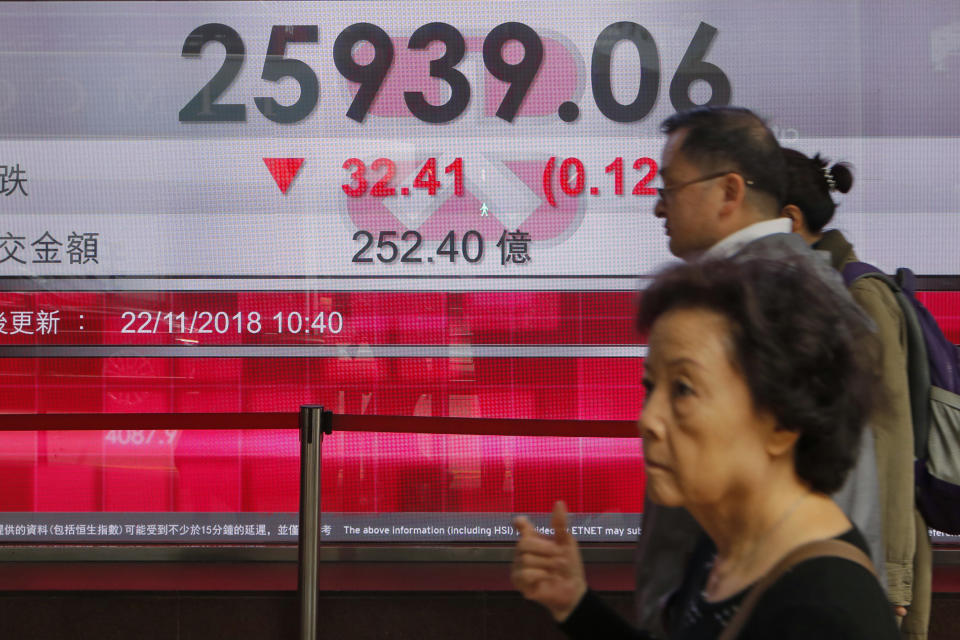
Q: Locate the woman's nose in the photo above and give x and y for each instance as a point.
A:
(647, 424)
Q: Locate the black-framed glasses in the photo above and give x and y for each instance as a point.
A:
(663, 191)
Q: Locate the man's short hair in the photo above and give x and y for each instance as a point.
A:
(736, 138)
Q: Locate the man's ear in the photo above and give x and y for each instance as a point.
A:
(734, 193)
(793, 212)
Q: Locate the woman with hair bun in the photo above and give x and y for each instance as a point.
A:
(810, 181)
(908, 558)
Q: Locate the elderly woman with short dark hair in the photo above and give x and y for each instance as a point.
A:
(757, 389)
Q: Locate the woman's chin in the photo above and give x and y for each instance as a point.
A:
(663, 496)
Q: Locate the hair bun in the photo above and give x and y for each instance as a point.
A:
(839, 177)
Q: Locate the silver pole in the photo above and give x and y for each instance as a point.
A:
(313, 422)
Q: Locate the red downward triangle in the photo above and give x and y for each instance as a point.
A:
(283, 170)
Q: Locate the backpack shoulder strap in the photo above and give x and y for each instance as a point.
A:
(918, 366)
(907, 280)
(853, 271)
(817, 549)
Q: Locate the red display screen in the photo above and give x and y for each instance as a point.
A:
(280, 360)
(395, 208)
(192, 471)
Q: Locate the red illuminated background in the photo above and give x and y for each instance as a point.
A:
(257, 471)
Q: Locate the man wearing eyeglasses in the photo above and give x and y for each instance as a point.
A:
(724, 184)
(724, 181)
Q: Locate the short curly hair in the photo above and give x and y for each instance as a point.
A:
(806, 354)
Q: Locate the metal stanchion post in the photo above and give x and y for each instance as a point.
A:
(314, 422)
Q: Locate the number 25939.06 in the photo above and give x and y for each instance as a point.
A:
(519, 75)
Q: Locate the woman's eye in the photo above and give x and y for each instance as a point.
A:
(681, 389)
(647, 391)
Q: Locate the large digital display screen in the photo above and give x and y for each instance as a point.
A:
(398, 208)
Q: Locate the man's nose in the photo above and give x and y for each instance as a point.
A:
(660, 208)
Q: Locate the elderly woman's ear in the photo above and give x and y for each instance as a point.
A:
(781, 441)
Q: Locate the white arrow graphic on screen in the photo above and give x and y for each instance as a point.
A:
(511, 202)
(507, 197)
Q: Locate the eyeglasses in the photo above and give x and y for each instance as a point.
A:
(663, 191)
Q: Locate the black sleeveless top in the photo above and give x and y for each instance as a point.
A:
(822, 598)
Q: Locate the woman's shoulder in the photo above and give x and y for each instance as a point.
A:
(825, 595)
(880, 304)
(874, 289)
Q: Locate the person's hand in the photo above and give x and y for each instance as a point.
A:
(549, 570)
(899, 611)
